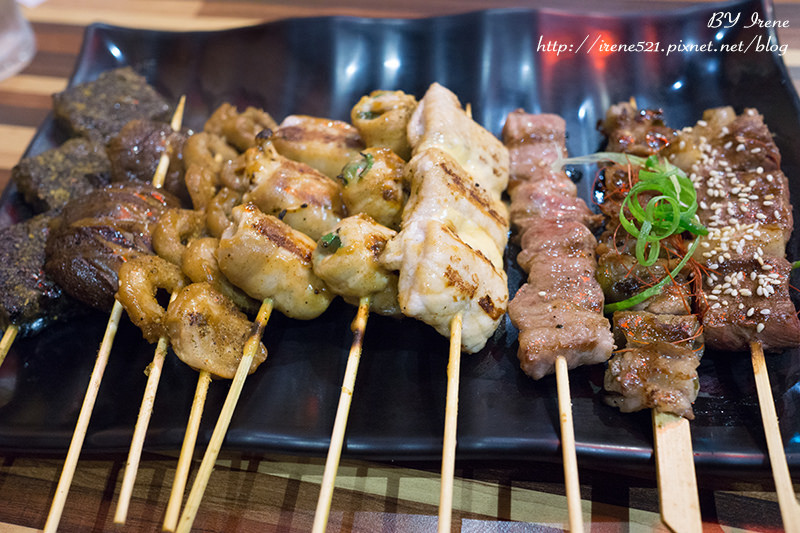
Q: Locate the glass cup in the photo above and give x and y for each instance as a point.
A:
(17, 42)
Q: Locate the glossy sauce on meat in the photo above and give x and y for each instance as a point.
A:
(96, 233)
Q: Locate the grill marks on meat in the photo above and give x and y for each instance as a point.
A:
(744, 200)
(661, 342)
(449, 250)
(96, 233)
(559, 310)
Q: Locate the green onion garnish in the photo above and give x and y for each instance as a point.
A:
(356, 168)
(670, 211)
(331, 242)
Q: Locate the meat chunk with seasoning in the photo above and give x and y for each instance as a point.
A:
(208, 332)
(51, 179)
(324, 144)
(268, 259)
(440, 122)
(656, 367)
(348, 260)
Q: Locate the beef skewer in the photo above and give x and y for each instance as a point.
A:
(559, 310)
(643, 134)
(745, 301)
(154, 369)
(449, 250)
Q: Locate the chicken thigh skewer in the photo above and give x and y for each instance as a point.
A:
(73, 453)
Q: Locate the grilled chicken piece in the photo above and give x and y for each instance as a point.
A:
(302, 197)
(556, 327)
(239, 129)
(96, 233)
(199, 263)
(441, 190)
(382, 120)
(174, 230)
(268, 259)
(140, 280)
(208, 332)
(441, 275)
(374, 184)
(440, 122)
(348, 260)
(324, 144)
(657, 367)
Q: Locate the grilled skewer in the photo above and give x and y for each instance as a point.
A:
(554, 228)
(73, 453)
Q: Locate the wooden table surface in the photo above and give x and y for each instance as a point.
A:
(279, 493)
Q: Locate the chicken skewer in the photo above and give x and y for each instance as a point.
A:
(271, 261)
(73, 453)
(449, 249)
(154, 370)
(558, 311)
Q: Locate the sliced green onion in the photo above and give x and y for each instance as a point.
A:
(331, 242)
(655, 289)
(356, 168)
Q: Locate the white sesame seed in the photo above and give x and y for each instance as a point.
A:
(740, 147)
(745, 292)
(765, 311)
(759, 327)
(751, 311)
(755, 150)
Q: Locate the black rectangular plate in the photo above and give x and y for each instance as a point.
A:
(321, 66)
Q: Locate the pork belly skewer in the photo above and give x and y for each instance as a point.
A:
(745, 303)
(73, 453)
(450, 246)
(654, 346)
(559, 310)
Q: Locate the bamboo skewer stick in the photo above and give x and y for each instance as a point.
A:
(65, 480)
(450, 423)
(154, 374)
(573, 486)
(224, 420)
(677, 484)
(340, 423)
(790, 509)
(8, 339)
(187, 451)
(78, 436)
